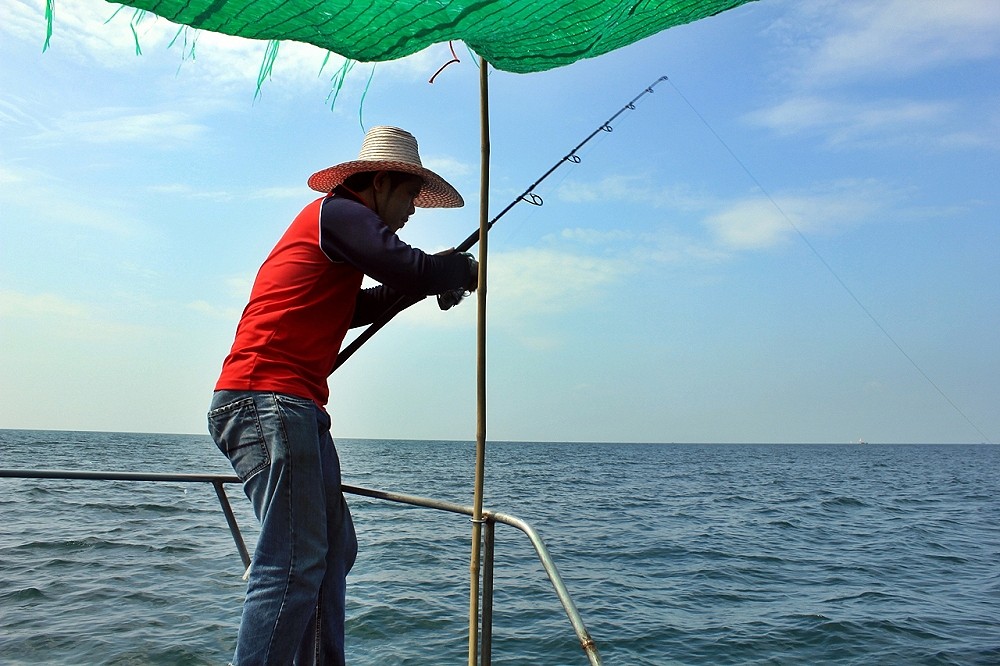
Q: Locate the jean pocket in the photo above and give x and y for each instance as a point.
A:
(237, 432)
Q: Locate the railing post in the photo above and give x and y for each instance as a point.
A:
(234, 528)
(486, 633)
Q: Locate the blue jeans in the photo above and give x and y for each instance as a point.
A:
(280, 447)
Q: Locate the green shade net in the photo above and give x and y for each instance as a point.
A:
(512, 35)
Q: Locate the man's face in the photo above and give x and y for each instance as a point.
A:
(395, 199)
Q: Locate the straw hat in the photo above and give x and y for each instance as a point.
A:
(391, 149)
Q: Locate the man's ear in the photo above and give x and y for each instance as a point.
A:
(381, 181)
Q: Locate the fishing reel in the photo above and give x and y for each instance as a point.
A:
(450, 299)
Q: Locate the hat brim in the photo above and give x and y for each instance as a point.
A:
(436, 192)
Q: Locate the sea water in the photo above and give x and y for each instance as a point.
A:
(673, 553)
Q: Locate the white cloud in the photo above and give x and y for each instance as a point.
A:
(536, 281)
(11, 113)
(631, 188)
(47, 316)
(745, 224)
(9, 176)
(239, 286)
(859, 123)
(288, 192)
(760, 223)
(224, 313)
(19, 305)
(24, 20)
(748, 225)
(448, 167)
(83, 29)
(596, 237)
(162, 128)
(184, 190)
(32, 186)
(833, 51)
(898, 38)
(667, 248)
(235, 63)
(101, 34)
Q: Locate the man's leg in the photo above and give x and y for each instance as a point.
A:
(272, 442)
(326, 633)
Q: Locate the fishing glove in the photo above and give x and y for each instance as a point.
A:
(450, 299)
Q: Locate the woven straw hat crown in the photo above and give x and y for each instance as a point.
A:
(391, 149)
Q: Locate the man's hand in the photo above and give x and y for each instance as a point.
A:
(450, 299)
(473, 273)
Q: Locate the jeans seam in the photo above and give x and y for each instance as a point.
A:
(262, 443)
(317, 629)
(290, 579)
(231, 406)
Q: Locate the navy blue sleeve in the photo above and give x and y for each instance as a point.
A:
(352, 233)
(372, 303)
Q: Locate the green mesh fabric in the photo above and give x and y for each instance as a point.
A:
(512, 35)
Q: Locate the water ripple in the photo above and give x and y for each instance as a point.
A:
(675, 554)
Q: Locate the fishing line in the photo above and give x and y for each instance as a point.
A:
(528, 196)
(826, 264)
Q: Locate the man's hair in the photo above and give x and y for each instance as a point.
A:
(362, 181)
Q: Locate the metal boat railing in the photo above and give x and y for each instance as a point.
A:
(489, 520)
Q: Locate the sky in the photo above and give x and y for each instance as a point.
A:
(793, 239)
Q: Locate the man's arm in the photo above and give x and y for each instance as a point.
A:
(351, 233)
(372, 303)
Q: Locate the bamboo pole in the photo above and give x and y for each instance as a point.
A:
(477, 506)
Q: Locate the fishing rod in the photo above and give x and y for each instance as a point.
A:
(450, 299)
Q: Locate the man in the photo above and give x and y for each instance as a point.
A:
(268, 412)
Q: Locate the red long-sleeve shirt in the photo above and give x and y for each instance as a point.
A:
(308, 290)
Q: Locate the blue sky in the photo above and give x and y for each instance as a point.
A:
(795, 239)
